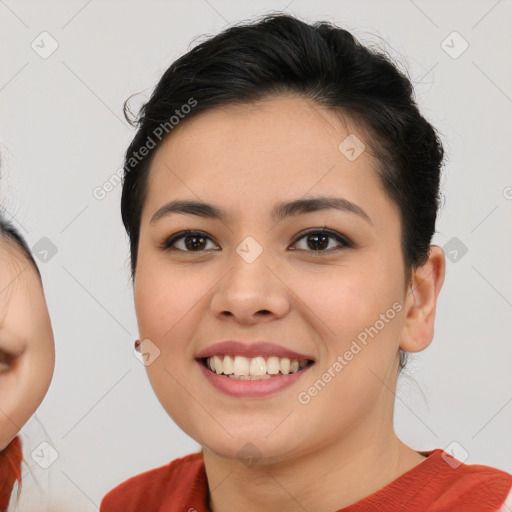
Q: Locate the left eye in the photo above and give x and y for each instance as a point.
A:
(319, 241)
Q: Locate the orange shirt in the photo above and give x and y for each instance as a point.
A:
(10, 470)
(438, 484)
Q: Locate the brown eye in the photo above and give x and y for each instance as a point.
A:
(189, 241)
(323, 240)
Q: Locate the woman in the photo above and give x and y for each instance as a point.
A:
(27, 354)
(280, 196)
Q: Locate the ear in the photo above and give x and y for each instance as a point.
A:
(421, 300)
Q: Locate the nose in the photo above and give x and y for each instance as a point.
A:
(251, 292)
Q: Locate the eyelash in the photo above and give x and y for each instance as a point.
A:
(344, 241)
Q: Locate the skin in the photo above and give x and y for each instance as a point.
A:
(26, 336)
(341, 446)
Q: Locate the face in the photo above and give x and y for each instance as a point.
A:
(27, 354)
(318, 286)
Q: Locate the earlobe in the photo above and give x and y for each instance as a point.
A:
(421, 300)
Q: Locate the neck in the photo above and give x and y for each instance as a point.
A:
(326, 479)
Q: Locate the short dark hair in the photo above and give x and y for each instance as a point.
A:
(281, 54)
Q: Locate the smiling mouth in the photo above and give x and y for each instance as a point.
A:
(254, 368)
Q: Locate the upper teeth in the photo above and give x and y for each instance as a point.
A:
(239, 366)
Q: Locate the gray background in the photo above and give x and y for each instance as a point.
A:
(62, 135)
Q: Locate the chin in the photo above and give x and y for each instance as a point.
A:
(250, 449)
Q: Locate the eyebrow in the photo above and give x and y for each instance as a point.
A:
(280, 212)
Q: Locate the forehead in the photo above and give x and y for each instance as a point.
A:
(277, 148)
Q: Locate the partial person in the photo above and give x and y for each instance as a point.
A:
(27, 352)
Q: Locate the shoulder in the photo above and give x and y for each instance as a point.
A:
(148, 490)
(468, 486)
(507, 506)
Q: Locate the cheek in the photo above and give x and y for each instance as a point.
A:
(343, 302)
(168, 308)
(167, 303)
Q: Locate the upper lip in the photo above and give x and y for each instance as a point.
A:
(249, 350)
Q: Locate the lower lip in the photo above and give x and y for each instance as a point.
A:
(251, 388)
